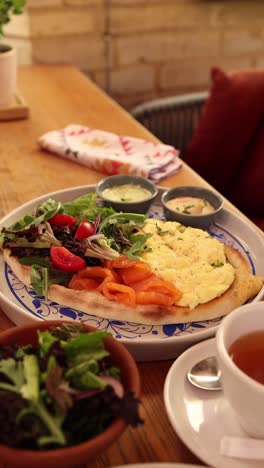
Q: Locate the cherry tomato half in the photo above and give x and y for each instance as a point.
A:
(64, 260)
(85, 229)
(62, 220)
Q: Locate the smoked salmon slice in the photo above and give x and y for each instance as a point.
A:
(128, 282)
(119, 293)
(89, 284)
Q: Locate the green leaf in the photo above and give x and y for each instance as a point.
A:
(46, 210)
(23, 242)
(86, 347)
(84, 376)
(99, 247)
(9, 8)
(22, 350)
(68, 331)
(87, 380)
(47, 207)
(122, 218)
(30, 389)
(114, 372)
(79, 205)
(13, 370)
(45, 340)
(43, 375)
(4, 236)
(39, 280)
(52, 423)
(22, 224)
(137, 247)
(32, 260)
(85, 207)
(79, 369)
(43, 212)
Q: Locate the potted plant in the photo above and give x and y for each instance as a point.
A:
(8, 53)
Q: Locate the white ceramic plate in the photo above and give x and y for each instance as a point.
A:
(200, 417)
(145, 342)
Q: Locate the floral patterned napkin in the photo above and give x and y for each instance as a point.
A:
(111, 153)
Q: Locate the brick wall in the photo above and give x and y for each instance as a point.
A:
(141, 49)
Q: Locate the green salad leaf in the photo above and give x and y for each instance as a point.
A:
(46, 210)
(39, 280)
(98, 246)
(13, 370)
(137, 246)
(41, 276)
(23, 223)
(86, 207)
(30, 389)
(84, 376)
(43, 212)
(31, 260)
(125, 234)
(134, 219)
(45, 340)
(86, 347)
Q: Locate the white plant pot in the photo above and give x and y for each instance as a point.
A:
(8, 68)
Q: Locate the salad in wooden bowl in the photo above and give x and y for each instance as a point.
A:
(67, 391)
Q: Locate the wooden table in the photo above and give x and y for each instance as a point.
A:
(58, 96)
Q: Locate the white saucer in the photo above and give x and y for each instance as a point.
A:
(200, 417)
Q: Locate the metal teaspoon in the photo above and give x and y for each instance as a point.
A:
(205, 374)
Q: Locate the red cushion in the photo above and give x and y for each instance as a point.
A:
(228, 123)
(247, 191)
(259, 221)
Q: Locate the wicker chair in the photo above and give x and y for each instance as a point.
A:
(172, 119)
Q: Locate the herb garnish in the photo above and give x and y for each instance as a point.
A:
(217, 264)
(187, 208)
(161, 232)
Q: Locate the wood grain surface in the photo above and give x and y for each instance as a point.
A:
(58, 96)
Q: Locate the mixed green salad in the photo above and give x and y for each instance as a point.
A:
(61, 392)
(62, 238)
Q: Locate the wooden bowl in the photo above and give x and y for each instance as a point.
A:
(77, 454)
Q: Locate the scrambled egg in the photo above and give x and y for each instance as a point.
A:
(190, 258)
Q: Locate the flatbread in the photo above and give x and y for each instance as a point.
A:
(244, 287)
